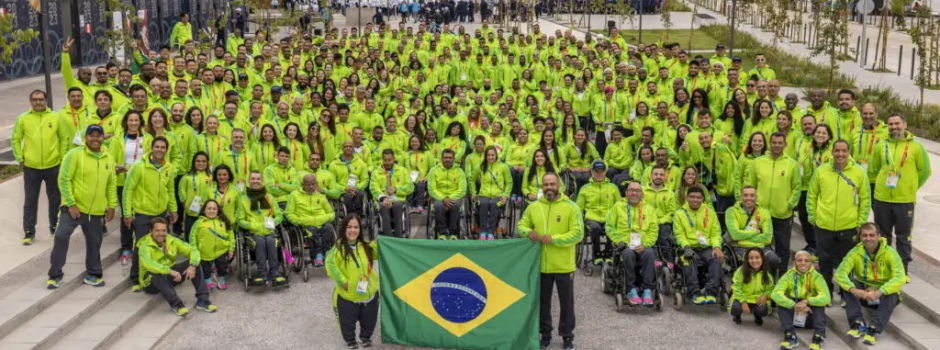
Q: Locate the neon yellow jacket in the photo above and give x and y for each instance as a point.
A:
(325, 179)
(348, 270)
(749, 230)
(211, 238)
(663, 200)
(192, 185)
(149, 190)
(241, 163)
(760, 284)
(624, 219)
(87, 180)
(447, 183)
(560, 219)
(253, 220)
(794, 285)
(39, 140)
(913, 173)
(833, 202)
(863, 144)
(495, 183)
(116, 149)
(596, 198)
(280, 181)
(778, 184)
(73, 121)
(396, 177)
(159, 260)
(688, 223)
(885, 273)
(309, 209)
(342, 171)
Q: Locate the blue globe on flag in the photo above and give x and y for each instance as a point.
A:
(458, 295)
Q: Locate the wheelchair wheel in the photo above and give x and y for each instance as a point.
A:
(241, 260)
(618, 301)
(658, 302)
(299, 251)
(286, 259)
(666, 280)
(606, 286)
(678, 300)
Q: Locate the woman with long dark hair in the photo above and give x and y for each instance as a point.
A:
(581, 157)
(192, 185)
(493, 191)
(756, 147)
(349, 264)
(751, 287)
(532, 179)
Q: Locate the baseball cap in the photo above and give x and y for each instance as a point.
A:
(719, 46)
(599, 165)
(736, 59)
(276, 89)
(94, 127)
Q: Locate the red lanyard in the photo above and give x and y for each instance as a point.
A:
(294, 153)
(903, 157)
(137, 145)
(74, 118)
(639, 217)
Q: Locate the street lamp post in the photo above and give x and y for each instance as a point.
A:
(734, 10)
(47, 56)
(641, 20)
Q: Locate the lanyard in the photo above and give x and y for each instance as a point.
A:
(639, 216)
(752, 214)
(417, 159)
(346, 163)
(369, 266)
(74, 119)
(871, 143)
(494, 178)
(843, 176)
(136, 144)
(294, 146)
(691, 223)
(903, 157)
(796, 288)
(194, 183)
(235, 161)
(270, 208)
(874, 267)
(225, 193)
(388, 177)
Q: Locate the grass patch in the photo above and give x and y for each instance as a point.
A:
(8, 171)
(677, 6)
(700, 41)
(926, 125)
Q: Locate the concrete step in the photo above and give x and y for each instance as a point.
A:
(922, 297)
(134, 321)
(22, 304)
(72, 310)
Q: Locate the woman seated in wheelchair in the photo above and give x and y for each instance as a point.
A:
(495, 183)
(390, 186)
(260, 215)
(632, 226)
(751, 287)
(531, 180)
(310, 209)
(698, 235)
(212, 236)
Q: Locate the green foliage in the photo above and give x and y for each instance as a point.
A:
(113, 39)
(924, 123)
(19, 36)
(676, 6)
(830, 37)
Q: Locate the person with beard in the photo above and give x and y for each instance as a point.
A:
(122, 90)
(84, 74)
(259, 215)
(555, 222)
(83, 170)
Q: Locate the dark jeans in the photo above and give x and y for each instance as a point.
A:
(416, 198)
(832, 248)
(596, 229)
(782, 241)
(32, 180)
(91, 227)
(354, 203)
(896, 219)
(141, 228)
(127, 233)
(447, 222)
(809, 231)
(646, 261)
(565, 283)
(758, 311)
(853, 307)
(163, 285)
(350, 313)
(489, 214)
(600, 143)
(266, 255)
(188, 222)
(817, 318)
(393, 217)
(722, 203)
(322, 238)
(221, 266)
(665, 242)
(690, 272)
(517, 181)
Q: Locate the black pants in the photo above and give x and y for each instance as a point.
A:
(758, 311)
(886, 304)
(141, 228)
(127, 233)
(163, 285)
(565, 283)
(581, 178)
(816, 319)
(782, 241)
(722, 203)
(646, 261)
(665, 242)
(188, 222)
(517, 181)
(809, 231)
(447, 222)
(178, 227)
(600, 143)
(221, 266)
(32, 180)
(596, 229)
(831, 249)
(416, 198)
(91, 227)
(350, 313)
(354, 203)
(393, 219)
(322, 238)
(896, 219)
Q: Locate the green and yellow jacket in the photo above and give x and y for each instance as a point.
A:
(560, 219)
(157, 259)
(87, 180)
(884, 271)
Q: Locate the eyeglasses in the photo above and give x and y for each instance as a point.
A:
(750, 85)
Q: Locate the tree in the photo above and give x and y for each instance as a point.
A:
(118, 35)
(921, 30)
(10, 40)
(828, 39)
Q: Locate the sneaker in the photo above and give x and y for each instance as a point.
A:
(736, 319)
(53, 283)
(420, 211)
(260, 281)
(489, 237)
(633, 298)
(28, 241)
(206, 306)
(647, 297)
(842, 304)
(367, 343)
(710, 299)
(125, 257)
(789, 341)
(545, 341)
(598, 262)
(453, 237)
(210, 284)
(856, 329)
(870, 336)
(817, 342)
(222, 284)
(759, 321)
(181, 311)
(569, 344)
(657, 264)
(93, 281)
(698, 299)
(318, 262)
(482, 236)
(137, 288)
(442, 238)
(279, 281)
(352, 345)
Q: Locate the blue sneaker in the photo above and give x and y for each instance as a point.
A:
(545, 341)
(53, 283)
(647, 297)
(93, 281)
(318, 262)
(633, 298)
(789, 341)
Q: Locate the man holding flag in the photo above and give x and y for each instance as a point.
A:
(555, 222)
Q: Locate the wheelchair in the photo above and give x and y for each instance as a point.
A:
(373, 221)
(431, 223)
(583, 253)
(507, 217)
(613, 282)
(680, 290)
(301, 248)
(245, 254)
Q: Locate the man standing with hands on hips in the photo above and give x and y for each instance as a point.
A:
(555, 222)
(900, 167)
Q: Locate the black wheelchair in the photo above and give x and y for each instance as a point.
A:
(613, 282)
(245, 254)
(680, 290)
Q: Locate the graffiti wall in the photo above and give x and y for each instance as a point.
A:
(27, 60)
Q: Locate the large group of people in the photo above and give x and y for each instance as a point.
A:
(663, 157)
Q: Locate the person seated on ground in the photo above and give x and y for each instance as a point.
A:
(390, 187)
(160, 272)
(213, 237)
(311, 209)
(635, 232)
(699, 237)
(595, 200)
(349, 264)
(447, 188)
(872, 274)
(801, 296)
(749, 226)
(260, 215)
(751, 287)
(280, 178)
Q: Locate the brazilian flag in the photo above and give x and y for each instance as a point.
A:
(460, 294)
